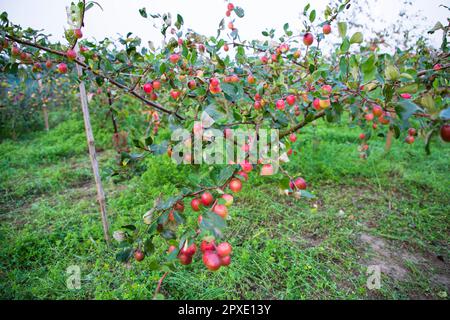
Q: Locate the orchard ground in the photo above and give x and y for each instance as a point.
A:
(391, 210)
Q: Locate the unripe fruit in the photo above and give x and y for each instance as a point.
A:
(412, 132)
(298, 183)
(62, 68)
(195, 204)
(207, 246)
(174, 58)
(234, 78)
(308, 39)
(264, 59)
(48, 64)
(326, 29)
(293, 137)
(290, 99)
(78, 34)
(175, 94)
(235, 185)
(377, 111)
(156, 85)
(148, 88)
(267, 170)
(15, 51)
(211, 261)
(409, 139)
(214, 90)
(139, 255)
(171, 249)
(257, 105)
(71, 54)
(230, 6)
(382, 118)
(192, 85)
(251, 79)
(324, 103)
(207, 199)
(221, 210)
(297, 54)
(274, 57)
(445, 132)
(369, 116)
(228, 199)
(223, 249)
(228, 13)
(243, 175)
(327, 88)
(437, 67)
(280, 104)
(225, 47)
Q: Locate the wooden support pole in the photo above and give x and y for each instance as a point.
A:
(92, 153)
(44, 106)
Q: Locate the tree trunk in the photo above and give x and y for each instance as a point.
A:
(92, 155)
(388, 144)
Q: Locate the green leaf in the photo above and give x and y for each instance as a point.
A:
(124, 255)
(143, 12)
(239, 12)
(213, 223)
(312, 16)
(307, 194)
(445, 114)
(224, 174)
(410, 88)
(356, 38)
(342, 28)
(179, 22)
(149, 246)
(368, 68)
(129, 227)
(406, 109)
(345, 45)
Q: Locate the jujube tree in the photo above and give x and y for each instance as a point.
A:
(281, 83)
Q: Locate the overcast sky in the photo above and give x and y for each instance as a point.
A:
(203, 16)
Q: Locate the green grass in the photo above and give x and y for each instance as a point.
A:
(283, 248)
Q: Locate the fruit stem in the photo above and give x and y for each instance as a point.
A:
(158, 287)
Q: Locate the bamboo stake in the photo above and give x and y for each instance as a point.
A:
(44, 107)
(92, 153)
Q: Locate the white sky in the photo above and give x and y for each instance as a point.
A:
(203, 16)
